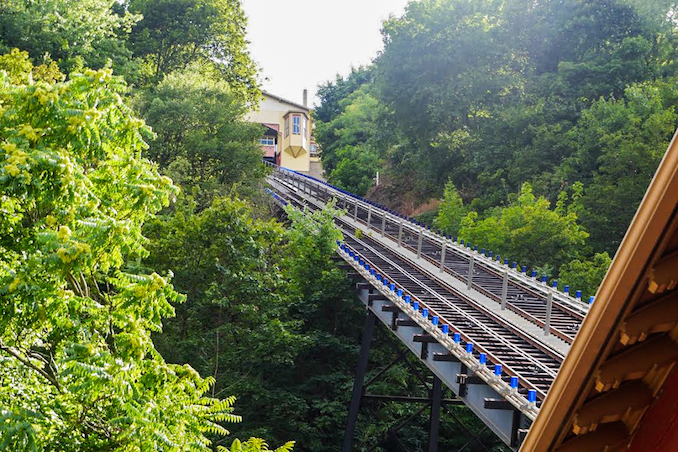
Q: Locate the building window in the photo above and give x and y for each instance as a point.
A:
(296, 124)
(314, 149)
(268, 141)
(287, 126)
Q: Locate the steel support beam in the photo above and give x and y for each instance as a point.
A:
(504, 290)
(442, 258)
(469, 284)
(368, 330)
(549, 306)
(434, 428)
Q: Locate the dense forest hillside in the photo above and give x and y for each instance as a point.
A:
(528, 128)
(150, 299)
(145, 283)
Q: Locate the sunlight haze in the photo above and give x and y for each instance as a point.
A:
(330, 36)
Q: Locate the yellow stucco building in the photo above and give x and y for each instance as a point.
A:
(287, 139)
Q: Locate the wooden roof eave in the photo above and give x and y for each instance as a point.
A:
(623, 284)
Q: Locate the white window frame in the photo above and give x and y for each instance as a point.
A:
(296, 125)
(287, 126)
(267, 141)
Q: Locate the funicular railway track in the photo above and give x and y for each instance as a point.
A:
(565, 316)
(520, 356)
(498, 335)
(535, 366)
(564, 320)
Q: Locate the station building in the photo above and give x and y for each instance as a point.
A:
(287, 139)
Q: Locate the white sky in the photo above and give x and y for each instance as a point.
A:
(330, 36)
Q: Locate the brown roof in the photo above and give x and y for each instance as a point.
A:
(626, 347)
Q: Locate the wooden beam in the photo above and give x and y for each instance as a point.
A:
(612, 406)
(608, 437)
(635, 363)
(498, 404)
(406, 322)
(658, 316)
(664, 275)
(465, 379)
(424, 338)
(447, 357)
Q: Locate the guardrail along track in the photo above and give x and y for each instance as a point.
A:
(524, 296)
(520, 356)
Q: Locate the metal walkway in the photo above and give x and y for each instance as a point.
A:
(493, 334)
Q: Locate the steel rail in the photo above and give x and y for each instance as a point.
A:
(563, 317)
(525, 281)
(480, 326)
(524, 356)
(510, 394)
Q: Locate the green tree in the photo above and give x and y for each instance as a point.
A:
(332, 93)
(203, 141)
(356, 169)
(69, 31)
(173, 34)
(255, 445)
(451, 211)
(19, 69)
(528, 231)
(619, 145)
(268, 315)
(585, 275)
(361, 120)
(79, 369)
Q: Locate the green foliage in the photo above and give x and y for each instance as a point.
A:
(311, 242)
(255, 445)
(21, 71)
(331, 94)
(574, 97)
(356, 169)
(173, 34)
(268, 315)
(202, 139)
(619, 143)
(451, 211)
(359, 121)
(79, 370)
(71, 32)
(528, 231)
(585, 275)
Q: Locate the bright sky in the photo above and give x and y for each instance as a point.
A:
(330, 36)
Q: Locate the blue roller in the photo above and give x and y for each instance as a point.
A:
(532, 396)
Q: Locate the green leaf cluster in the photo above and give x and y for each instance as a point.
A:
(203, 142)
(144, 40)
(79, 369)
